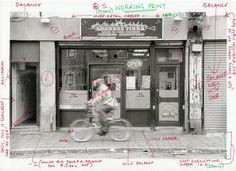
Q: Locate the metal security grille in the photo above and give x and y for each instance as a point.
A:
(215, 86)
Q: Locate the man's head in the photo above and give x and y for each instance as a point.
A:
(107, 80)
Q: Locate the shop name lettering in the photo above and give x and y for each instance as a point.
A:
(127, 8)
(214, 84)
(65, 163)
(121, 28)
(28, 4)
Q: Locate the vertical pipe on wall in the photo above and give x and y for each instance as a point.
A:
(186, 88)
(153, 89)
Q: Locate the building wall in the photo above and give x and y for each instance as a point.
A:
(32, 29)
(215, 28)
(47, 86)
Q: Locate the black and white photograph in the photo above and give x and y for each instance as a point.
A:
(138, 84)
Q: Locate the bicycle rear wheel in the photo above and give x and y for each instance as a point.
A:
(120, 130)
(81, 130)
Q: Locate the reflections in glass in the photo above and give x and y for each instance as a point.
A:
(168, 81)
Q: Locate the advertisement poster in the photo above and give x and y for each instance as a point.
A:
(130, 82)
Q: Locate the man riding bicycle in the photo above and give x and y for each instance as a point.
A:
(104, 101)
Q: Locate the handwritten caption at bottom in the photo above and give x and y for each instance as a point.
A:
(65, 163)
(4, 135)
(207, 163)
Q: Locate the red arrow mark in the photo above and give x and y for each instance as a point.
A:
(11, 99)
(148, 143)
(228, 14)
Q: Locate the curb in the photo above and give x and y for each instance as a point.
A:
(117, 149)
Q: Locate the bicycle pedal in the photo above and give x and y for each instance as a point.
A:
(102, 133)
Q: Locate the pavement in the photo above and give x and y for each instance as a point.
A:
(172, 140)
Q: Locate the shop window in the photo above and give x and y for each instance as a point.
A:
(169, 55)
(73, 72)
(138, 70)
(138, 79)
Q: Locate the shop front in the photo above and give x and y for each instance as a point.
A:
(155, 66)
(146, 80)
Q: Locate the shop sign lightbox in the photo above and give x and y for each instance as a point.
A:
(121, 29)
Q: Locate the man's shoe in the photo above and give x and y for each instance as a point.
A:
(102, 133)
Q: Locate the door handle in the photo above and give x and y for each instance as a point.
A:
(153, 107)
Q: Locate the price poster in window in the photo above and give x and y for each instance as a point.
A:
(130, 82)
(145, 81)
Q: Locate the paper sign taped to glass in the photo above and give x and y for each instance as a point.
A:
(73, 99)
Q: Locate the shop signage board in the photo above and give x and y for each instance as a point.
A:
(121, 29)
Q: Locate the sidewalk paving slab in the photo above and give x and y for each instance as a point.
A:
(50, 142)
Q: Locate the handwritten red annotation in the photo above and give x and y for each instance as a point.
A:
(169, 138)
(214, 5)
(138, 163)
(65, 163)
(198, 162)
(69, 35)
(4, 136)
(22, 117)
(2, 72)
(214, 84)
(97, 6)
(28, 4)
(231, 35)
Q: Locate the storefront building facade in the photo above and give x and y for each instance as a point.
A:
(164, 71)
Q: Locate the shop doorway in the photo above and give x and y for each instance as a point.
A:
(114, 73)
(168, 95)
(24, 91)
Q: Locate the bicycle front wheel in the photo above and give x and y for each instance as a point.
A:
(81, 130)
(120, 130)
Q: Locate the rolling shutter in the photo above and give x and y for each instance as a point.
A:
(215, 86)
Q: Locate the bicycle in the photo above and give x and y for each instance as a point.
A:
(84, 129)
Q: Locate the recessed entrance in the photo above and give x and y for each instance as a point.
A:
(24, 91)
